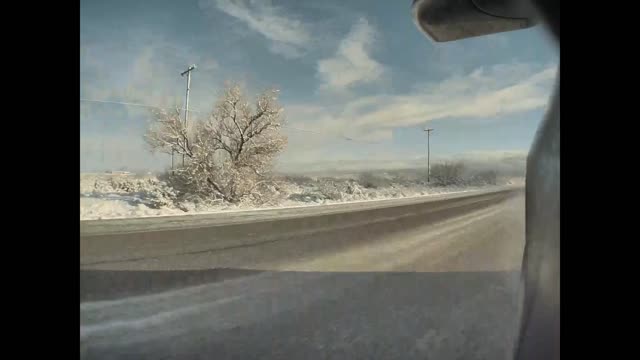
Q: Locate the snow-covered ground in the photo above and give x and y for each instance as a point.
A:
(105, 196)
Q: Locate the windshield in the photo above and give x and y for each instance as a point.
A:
(289, 179)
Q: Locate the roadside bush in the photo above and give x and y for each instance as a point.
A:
(338, 190)
(156, 193)
(268, 193)
(329, 189)
(489, 177)
(447, 173)
(371, 181)
(297, 179)
(228, 154)
(306, 197)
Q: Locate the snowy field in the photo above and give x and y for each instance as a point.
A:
(107, 196)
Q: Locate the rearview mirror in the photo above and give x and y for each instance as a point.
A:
(449, 20)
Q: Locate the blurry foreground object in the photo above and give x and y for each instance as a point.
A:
(448, 20)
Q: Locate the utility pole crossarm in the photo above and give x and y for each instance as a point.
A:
(191, 68)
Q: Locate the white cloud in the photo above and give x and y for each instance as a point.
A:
(286, 50)
(508, 162)
(208, 65)
(100, 152)
(352, 64)
(492, 155)
(143, 69)
(147, 74)
(376, 136)
(485, 93)
(288, 36)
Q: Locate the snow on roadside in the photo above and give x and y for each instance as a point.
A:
(100, 200)
(111, 208)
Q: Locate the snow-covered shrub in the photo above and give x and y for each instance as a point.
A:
(447, 173)
(370, 180)
(229, 155)
(339, 190)
(268, 193)
(329, 189)
(157, 193)
(154, 193)
(307, 197)
(488, 177)
(297, 179)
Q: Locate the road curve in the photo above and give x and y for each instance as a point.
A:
(421, 279)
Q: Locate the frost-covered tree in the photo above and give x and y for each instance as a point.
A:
(230, 154)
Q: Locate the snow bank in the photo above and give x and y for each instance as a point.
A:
(109, 208)
(124, 196)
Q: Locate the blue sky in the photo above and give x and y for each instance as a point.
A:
(360, 69)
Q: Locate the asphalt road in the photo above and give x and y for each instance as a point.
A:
(413, 280)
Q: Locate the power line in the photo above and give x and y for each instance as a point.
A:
(130, 104)
(343, 137)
